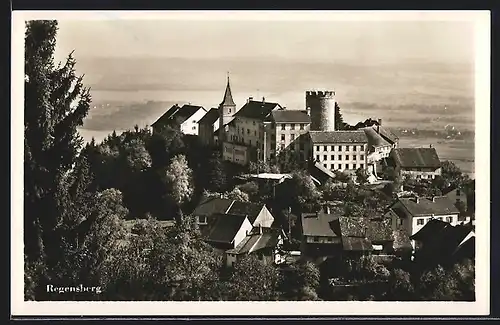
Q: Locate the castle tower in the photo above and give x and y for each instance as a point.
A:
(226, 110)
(322, 108)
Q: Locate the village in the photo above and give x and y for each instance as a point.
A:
(419, 217)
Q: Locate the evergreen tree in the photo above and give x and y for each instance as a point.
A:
(56, 102)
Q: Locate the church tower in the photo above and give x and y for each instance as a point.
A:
(227, 108)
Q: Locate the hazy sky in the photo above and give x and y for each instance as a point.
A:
(368, 42)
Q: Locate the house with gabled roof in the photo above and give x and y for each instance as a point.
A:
(257, 214)
(265, 242)
(228, 230)
(208, 127)
(418, 163)
(440, 242)
(412, 214)
(185, 118)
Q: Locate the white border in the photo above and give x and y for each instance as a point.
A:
(481, 20)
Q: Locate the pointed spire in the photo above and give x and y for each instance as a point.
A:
(228, 97)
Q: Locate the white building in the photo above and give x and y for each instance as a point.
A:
(185, 118)
(339, 150)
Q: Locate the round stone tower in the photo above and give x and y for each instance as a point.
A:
(322, 107)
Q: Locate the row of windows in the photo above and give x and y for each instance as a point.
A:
(292, 137)
(339, 166)
(421, 221)
(316, 239)
(339, 157)
(292, 126)
(248, 131)
(347, 148)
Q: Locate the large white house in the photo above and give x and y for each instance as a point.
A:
(186, 118)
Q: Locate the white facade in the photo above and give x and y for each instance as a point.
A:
(190, 125)
(264, 219)
(340, 156)
(420, 173)
(235, 153)
(287, 136)
(245, 228)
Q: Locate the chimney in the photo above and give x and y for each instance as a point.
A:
(249, 99)
(379, 121)
(263, 99)
(308, 111)
(430, 146)
(378, 129)
(417, 199)
(260, 229)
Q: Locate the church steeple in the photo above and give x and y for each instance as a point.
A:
(228, 97)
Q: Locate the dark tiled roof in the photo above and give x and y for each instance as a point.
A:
(210, 118)
(431, 229)
(257, 110)
(245, 246)
(212, 205)
(338, 136)
(375, 139)
(180, 114)
(319, 224)
(167, 114)
(321, 173)
(373, 230)
(251, 210)
(442, 205)
(290, 116)
(228, 97)
(417, 157)
(387, 134)
(225, 228)
(356, 244)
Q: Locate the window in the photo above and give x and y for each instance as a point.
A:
(282, 137)
(346, 148)
(449, 219)
(400, 221)
(332, 157)
(340, 166)
(324, 165)
(362, 166)
(255, 133)
(292, 137)
(316, 239)
(292, 126)
(420, 221)
(332, 148)
(419, 176)
(248, 131)
(194, 127)
(250, 142)
(340, 148)
(301, 126)
(325, 157)
(229, 110)
(346, 157)
(362, 157)
(325, 148)
(353, 166)
(458, 192)
(346, 166)
(283, 126)
(331, 166)
(317, 157)
(253, 122)
(329, 239)
(353, 157)
(317, 148)
(257, 143)
(202, 219)
(440, 218)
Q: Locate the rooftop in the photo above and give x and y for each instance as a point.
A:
(257, 109)
(417, 157)
(249, 209)
(319, 224)
(180, 114)
(210, 117)
(225, 228)
(228, 97)
(375, 139)
(441, 205)
(290, 116)
(338, 137)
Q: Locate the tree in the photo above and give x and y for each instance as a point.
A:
(178, 177)
(339, 120)
(299, 192)
(56, 102)
(215, 179)
(301, 282)
(400, 286)
(253, 280)
(452, 174)
(361, 176)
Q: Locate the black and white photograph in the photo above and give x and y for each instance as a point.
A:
(241, 157)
